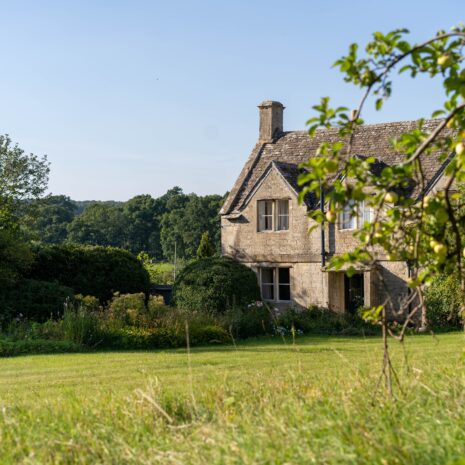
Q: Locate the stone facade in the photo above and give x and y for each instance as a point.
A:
(271, 173)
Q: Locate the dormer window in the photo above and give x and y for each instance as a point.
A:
(273, 215)
(350, 219)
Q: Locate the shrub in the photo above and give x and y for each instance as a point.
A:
(134, 338)
(91, 270)
(9, 348)
(214, 284)
(34, 300)
(254, 320)
(318, 320)
(443, 303)
(81, 326)
(157, 309)
(127, 309)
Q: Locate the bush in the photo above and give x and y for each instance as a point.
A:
(34, 300)
(254, 320)
(9, 348)
(443, 303)
(81, 326)
(212, 285)
(91, 270)
(127, 309)
(133, 338)
(318, 320)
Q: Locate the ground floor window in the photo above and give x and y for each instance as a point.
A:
(275, 283)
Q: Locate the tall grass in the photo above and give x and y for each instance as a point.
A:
(80, 325)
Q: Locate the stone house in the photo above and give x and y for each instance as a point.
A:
(264, 227)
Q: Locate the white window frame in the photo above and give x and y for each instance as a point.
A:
(363, 213)
(276, 283)
(275, 216)
(262, 216)
(280, 216)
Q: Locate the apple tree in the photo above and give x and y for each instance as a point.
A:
(425, 231)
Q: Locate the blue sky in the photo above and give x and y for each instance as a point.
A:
(134, 97)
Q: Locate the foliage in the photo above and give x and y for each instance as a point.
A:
(91, 270)
(15, 257)
(249, 321)
(34, 300)
(318, 320)
(52, 216)
(423, 228)
(81, 326)
(184, 223)
(127, 309)
(160, 273)
(136, 338)
(215, 284)
(10, 348)
(205, 249)
(141, 224)
(100, 224)
(22, 178)
(443, 301)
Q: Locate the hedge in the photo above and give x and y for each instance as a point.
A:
(91, 270)
(33, 300)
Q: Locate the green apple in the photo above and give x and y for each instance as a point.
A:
(460, 148)
(444, 60)
(331, 216)
(440, 249)
(391, 197)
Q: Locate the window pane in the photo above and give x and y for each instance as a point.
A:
(265, 215)
(366, 213)
(267, 275)
(284, 276)
(348, 220)
(267, 292)
(261, 215)
(283, 215)
(284, 287)
(284, 292)
(267, 278)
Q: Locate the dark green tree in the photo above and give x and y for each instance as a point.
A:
(51, 218)
(100, 224)
(185, 226)
(143, 225)
(205, 249)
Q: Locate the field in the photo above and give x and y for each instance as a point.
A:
(261, 402)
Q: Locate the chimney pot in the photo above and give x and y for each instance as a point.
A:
(271, 120)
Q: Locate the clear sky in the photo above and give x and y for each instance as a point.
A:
(133, 97)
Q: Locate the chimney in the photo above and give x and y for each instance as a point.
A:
(271, 120)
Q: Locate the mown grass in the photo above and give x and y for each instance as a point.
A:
(260, 402)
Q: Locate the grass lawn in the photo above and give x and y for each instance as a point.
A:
(262, 402)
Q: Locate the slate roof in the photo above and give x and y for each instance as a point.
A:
(291, 148)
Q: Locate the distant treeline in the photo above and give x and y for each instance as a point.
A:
(143, 223)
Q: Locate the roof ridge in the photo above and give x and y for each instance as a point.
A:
(387, 123)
